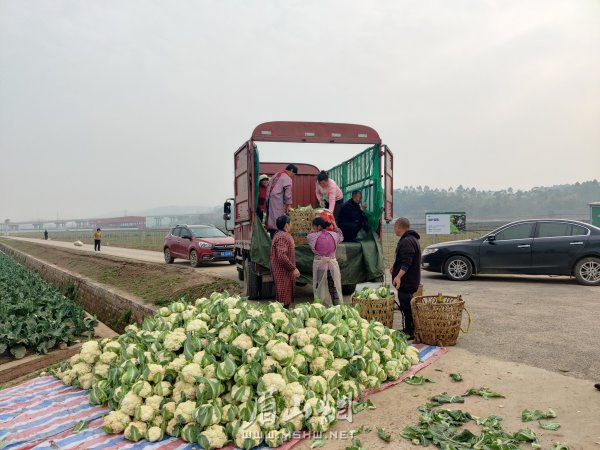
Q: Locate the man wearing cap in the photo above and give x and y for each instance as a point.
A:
(263, 182)
(279, 196)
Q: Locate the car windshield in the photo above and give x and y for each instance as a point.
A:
(207, 232)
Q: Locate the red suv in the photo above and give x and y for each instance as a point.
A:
(198, 243)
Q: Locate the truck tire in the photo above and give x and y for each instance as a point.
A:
(587, 271)
(252, 281)
(267, 290)
(348, 289)
(240, 274)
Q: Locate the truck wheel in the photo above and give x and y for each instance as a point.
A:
(240, 274)
(587, 271)
(194, 259)
(267, 290)
(252, 291)
(168, 258)
(232, 261)
(458, 268)
(348, 289)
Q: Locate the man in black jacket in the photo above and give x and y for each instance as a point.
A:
(406, 271)
(352, 217)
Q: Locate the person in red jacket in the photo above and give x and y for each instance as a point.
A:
(263, 182)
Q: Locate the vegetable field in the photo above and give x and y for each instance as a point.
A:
(34, 315)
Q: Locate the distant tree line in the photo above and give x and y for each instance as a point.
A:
(560, 201)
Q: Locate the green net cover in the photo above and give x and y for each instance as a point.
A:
(362, 173)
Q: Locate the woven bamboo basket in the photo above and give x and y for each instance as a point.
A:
(438, 319)
(301, 224)
(380, 310)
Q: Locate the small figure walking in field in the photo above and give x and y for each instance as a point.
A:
(97, 239)
(45, 235)
(283, 262)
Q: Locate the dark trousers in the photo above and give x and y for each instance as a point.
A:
(337, 208)
(96, 244)
(272, 233)
(260, 214)
(404, 297)
(332, 290)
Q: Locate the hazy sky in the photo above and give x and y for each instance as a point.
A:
(114, 105)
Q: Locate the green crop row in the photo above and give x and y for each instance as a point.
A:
(34, 315)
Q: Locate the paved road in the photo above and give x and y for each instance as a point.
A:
(547, 322)
(220, 269)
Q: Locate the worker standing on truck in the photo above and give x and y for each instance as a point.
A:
(327, 277)
(263, 182)
(352, 217)
(283, 262)
(279, 196)
(329, 189)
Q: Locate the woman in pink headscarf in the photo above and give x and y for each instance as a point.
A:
(327, 278)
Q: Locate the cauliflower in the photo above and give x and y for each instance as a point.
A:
(300, 338)
(108, 357)
(154, 402)
(209, 372)
(135, 431)
(246, 393)
(328, 328)
(191, 372)
(155, 373)
(196, 325)
(115, 422)
(283, 353)
(293, 393)
(311, 331)
(326, 340)
(233, 313)
(101, 369)
(182, 388)
(243, 341)
(213, 437)
(329, 374)
(300, 362)
(85, 381)
(231, 301)
(130, 402)
(163, 389)
(249, 435)
(318, 365)
(292, 416)
(75, 359)
(174, 341)
(187, 315)
(279, 318)
(273, 382)
(142, 388)
(251, 354)
(171, 426)
(226, 334)
(317, 384)
(68, 376)
(81, 368)
(90, 352)
(198, 357)
(145, 413)
(338, 364)
(177, 364)
(312, 322)
(270, 365)
(184, 411)
(317, 424)
(154, 434)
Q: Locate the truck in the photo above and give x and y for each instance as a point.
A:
(370, 171)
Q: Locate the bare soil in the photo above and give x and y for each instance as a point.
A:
(159, 284)
(576, 403)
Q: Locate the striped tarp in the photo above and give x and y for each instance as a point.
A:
(41, 414)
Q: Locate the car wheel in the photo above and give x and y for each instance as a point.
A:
(458, 268)
(194, 259)
(168, 258)
(587, 271)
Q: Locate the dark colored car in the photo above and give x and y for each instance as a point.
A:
(531, 247)
(198, 243)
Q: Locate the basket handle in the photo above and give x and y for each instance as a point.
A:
(469, 323)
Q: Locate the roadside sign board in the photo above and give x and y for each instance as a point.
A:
(595, 213)
(446, 222)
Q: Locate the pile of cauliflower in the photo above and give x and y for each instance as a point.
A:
(223, 371)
